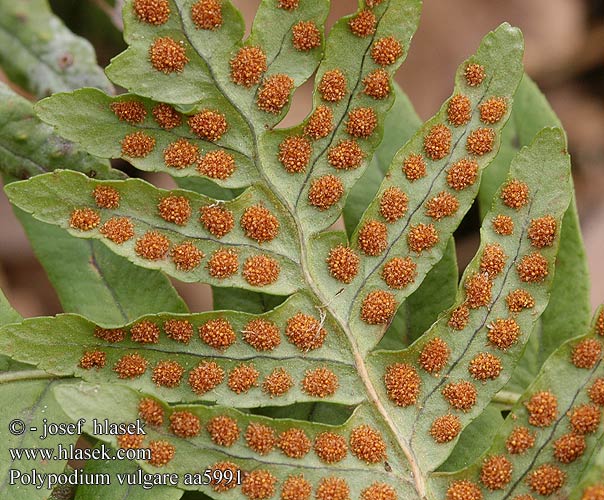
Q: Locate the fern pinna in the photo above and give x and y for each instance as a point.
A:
(203, 104)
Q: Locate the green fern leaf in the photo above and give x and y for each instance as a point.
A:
(240, 387)
(551, 433)
(40, 54)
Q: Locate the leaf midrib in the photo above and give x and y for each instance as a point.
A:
(357, 355)
(371, 392)
(552, 429)
(344, 113)
(181, 232)
(383, 258)
(152, 348)
(74, 330)
(264, 460)
(444, 378)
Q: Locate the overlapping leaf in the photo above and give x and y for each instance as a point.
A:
(65, 345)
(32, 400)
(420, 394)
(207, 74)
(29, 147)
(122, 491)
(437, 291)
(40, 54)
(7, 313)
(70, 113)
(205, 83)
(400, 123)
(568, 309)
(568, 378)
(352, 55)
(94, 281)
(570, 292)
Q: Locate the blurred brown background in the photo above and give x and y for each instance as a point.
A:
(564, 54)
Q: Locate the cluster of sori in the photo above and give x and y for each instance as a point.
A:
(379, 306)
(540, 418)
(256, 221)
(364, 443)
(303, 331)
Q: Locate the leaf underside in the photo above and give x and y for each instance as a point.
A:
(322, 338)
(570, 382)
(570, 293)
(104, 290)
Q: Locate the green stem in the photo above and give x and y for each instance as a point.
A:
(507, 398)
(7, 377)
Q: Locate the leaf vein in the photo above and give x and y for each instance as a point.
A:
(552, 431)
(348, 105)
(94, 263)
(477, 330)
(383, 258)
